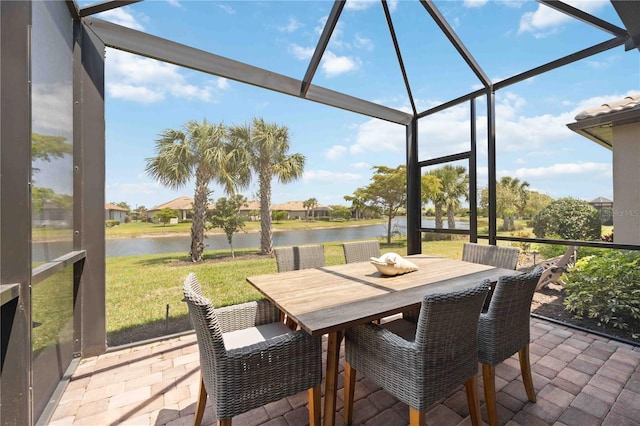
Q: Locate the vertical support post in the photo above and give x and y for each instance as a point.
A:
(414, 204)
(15, 211)
(473, 177)
(89, 167)
(491, 152)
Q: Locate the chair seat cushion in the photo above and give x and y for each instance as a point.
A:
(403, 328)
(249, 336)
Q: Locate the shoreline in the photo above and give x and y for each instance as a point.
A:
(219, 231)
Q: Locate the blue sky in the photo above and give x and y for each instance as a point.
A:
(144, 96)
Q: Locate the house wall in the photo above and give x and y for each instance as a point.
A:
(116, 215)
(626, 183)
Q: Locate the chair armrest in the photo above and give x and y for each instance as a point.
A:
(245, 315)
(383, 340)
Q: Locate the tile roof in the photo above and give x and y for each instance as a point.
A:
(627, 103)
(251, 205)
(109, 206)
(180, 203)
(597, 123)
(600, 200)
(296, 206)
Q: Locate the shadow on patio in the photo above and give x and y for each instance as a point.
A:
(580, 379)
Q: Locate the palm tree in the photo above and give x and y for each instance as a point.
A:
(358, 204)
(456, 188)
(265, 147)
(455, 184)
(199, 150)
(512, 199)
(310, 205)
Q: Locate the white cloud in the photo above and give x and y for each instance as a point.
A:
(139, 94)
(543, 133)
(146, 80)
(447, 132)
(335, 152)
(227, 8)
(545, 20)
(291, 26)
(121, 16)
(329, 176)
(379, 136)
(562, 169)
(333, 65)
(222, 83)
(363, 43)
(174, 3)
(301, 52)
(607, 62)
(361, 165)
(474, 3)
(515, 4)
(359, 4)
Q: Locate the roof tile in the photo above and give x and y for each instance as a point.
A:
(627, 103)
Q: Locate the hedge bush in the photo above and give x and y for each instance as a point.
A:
(606, 288)
(569, 219)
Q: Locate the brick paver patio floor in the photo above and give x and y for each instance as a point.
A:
(580, 379)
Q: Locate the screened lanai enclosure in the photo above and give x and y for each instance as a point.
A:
(53, 135)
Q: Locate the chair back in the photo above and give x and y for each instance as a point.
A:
(500, 257)
(360, 251)
(446, 334)
(504, 328)
(205, 323)
(299, 257)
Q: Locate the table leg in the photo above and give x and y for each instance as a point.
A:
(331, 377)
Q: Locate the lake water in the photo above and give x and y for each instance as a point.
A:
(157, 245)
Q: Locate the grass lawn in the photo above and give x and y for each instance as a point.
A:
(139, 288)
(146, 291)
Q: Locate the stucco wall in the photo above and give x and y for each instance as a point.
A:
(626, 183)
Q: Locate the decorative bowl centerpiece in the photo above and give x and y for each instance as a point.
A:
(392, 264)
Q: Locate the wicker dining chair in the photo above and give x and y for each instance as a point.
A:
(248, 358)
(504, 330)
(500, 257)
(299, 257)
(360, 251)
(420, 363)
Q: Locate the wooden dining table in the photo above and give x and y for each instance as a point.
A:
(331, 299)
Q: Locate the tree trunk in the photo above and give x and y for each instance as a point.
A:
(199, 214)
(389, 229)
(507, 223)
(451, 218)
(266, 245)
(438, 215)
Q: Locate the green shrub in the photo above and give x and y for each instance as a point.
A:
(606, 288)
(569, 219)
(524, 246)
(547, 251)
(111, 223)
